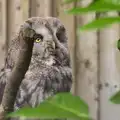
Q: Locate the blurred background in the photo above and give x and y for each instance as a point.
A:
(95, 58)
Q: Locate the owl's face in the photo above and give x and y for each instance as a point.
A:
(45, 48)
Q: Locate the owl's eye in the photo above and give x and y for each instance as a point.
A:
(38, 40)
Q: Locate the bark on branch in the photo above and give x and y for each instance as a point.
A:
(26, 42)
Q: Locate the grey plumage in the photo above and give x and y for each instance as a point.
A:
(49, 71)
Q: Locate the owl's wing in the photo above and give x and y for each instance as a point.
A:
(2, 82)
(4, 73)
(21, 94)
(2, 86)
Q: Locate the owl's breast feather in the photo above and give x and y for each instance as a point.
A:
(50, 61)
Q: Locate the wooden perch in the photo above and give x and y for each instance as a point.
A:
(26, 42)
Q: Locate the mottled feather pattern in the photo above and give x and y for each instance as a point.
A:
(49, 71)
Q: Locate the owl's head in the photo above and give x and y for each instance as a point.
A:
(50, 43)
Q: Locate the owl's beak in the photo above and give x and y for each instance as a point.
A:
(50, 47)
(50, 44)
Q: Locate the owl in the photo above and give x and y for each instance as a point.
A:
(49, 70)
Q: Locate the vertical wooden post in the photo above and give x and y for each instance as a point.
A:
(87, 63)
(109, 74)
(10, 20)
(25, 9)
(33, 8)
(18, 14)
(4, 19)
(40, 7)
(3, 30)
(5, 25)
(48, 7)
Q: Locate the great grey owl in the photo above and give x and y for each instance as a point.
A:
(49, 71)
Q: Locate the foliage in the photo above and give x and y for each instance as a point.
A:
(100, 23)
(62, 105)
(115, 98)
(70, 1)
(97, 6)
(118, 44)
(100, 6)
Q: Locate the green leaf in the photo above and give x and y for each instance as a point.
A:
(69, 1)
(97, 6)
(118, 44)
(100, 23)
(115, 2)
(62, 105)
(115, 98)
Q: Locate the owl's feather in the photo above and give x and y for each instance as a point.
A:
(49, 71)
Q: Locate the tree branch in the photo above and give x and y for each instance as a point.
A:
(12, 86)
